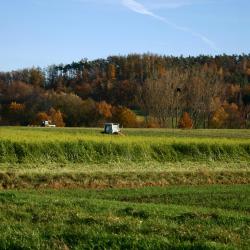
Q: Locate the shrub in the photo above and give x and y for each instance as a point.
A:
(126, 117)
(185, 121)
(56, 117)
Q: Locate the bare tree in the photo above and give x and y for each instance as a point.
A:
(177, 91)
(162, 98)
(202, 88)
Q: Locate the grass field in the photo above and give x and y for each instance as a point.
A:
(30, 145)
(207, 217)
(149, 189)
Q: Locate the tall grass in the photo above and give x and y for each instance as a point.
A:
(108, 152)
(36, 145)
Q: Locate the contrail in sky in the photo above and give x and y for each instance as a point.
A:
(141, 9)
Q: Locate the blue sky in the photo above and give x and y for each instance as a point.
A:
(44, 32)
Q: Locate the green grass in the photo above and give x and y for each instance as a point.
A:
(38, 157)
(29, 145)
(207, 217)
(35, 134)
(150, 189)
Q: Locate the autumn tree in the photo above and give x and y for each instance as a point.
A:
(162, 98)
(219, 118)
(227, 116)
(17, 91)
(88, 113)
(151, 123)
(16, 113)
(232, 93)
(83, 90)
(40, 117)
(185, 121)
(56, 117)
(111, 72)
(234, 119)
(202, 88)
(36, 77)
(162, 87)
(104, 111)
(124, 116)
(69, 104)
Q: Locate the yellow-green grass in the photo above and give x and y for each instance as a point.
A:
(29, 134)
(29, 145)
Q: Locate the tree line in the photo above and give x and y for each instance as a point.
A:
(205, 91)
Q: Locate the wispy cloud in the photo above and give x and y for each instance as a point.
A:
(172, 4)
(152, 4)
(148, 8)
(139, 8)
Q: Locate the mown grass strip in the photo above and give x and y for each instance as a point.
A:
(103, 179)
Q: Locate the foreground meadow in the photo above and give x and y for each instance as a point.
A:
(149, 189)
(206, 217)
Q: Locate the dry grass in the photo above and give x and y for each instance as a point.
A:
(121, 176)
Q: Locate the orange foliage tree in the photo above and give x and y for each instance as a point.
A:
(234, 119)
(16, 107)
(152, 123)
(56, 117)
(124, 116)
(219, 118)
(227, 116)
(185, 121)
(111, 72)
(104, 109)
(16, 113)
(40, 117)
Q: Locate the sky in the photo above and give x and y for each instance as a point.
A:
(44, 32)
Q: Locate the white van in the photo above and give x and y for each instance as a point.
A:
(112, 128)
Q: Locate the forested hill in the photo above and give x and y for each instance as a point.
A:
(210, 91)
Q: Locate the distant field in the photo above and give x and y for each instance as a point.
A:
(76, 188)
(30, 145)
(207, 217)
(74, 134)
(80, 157)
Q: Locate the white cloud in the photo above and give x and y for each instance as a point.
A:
(147, 7)
(139, 8)
(151, 4)
(169, 4)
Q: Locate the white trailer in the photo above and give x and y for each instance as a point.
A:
(112, 128)
(48, 124)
